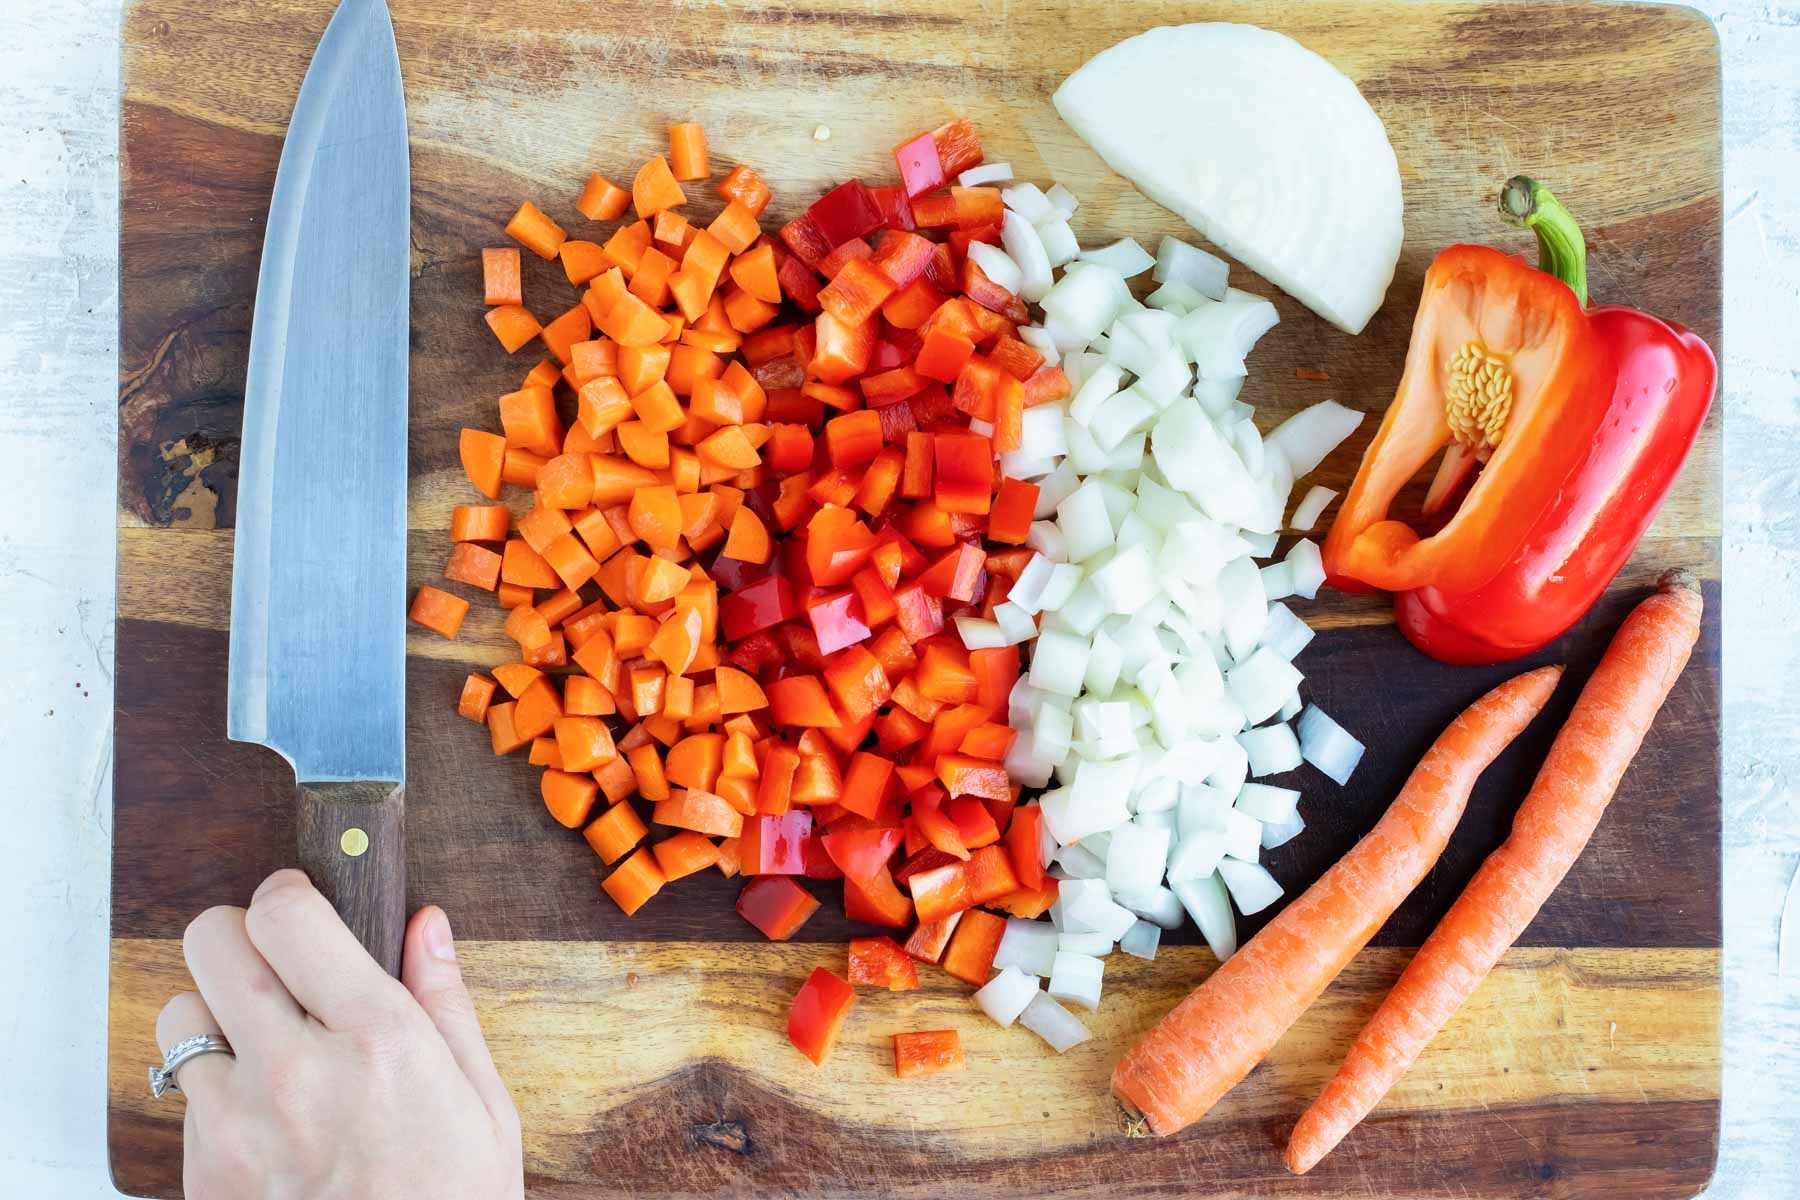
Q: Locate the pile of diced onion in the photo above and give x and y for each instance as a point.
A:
(1162, 681)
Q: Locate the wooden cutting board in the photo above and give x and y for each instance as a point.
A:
(647, 1055)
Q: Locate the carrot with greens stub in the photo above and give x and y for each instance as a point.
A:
(1180, 1069)
(1553, 825)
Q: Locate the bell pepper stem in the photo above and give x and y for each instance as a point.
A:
(1562, 252)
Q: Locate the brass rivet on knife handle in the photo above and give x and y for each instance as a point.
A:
(353, 847)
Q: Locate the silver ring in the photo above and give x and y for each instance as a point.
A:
(162, 1079)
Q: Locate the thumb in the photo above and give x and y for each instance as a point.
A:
(429, 970)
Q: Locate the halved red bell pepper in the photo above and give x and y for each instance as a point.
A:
(817, 1012)
(1582, 419)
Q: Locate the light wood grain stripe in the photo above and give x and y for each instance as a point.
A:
(582, 1028)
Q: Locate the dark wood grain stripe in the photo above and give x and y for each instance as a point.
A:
(207, 818)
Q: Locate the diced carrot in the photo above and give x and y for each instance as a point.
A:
(524, 566)
(634, 881)
(536, 232)
(501, 734)
(582, 260)
(685, 853)
(500, 275)
(602, 200)
(701, 811)
(474, 565)
(568, 796)
(553, 653)
(477, 693)
(601, 404)
(438, 611)
(614, 832)
(631, 322)
(656, 188)
(513, 324)
(479, 522)
(744, 185)
(516, 677)
(562, 334)
(529, 418)
(687, 152)
(526, 626)
(511, 595)
(538, 708)
(520, 467)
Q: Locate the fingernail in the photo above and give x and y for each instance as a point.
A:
(437, 936)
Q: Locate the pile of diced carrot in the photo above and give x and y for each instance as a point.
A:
(769, 482)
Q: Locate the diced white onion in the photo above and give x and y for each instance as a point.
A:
(1311, 507)
(1141, 940)
(1279, 833)
(985, 173)
(1267, 803)
(1160, 906)
(1030, 946)
(1136, 857)
(979, 634)
(1124, 256)
(1284, 633)
(1076, 979)
(1029, 201)
(997, 265)
(1004, 997)
(1062, 199)
(1096, 944)
(1328, 746)
(1252, 887)
(1260, 683)
(1178, 262)
(1025, 246)
(1207, 901)
(1272, 749)
(1054, 1023)
(1306, 568)
(1077, 862)
(1312, 433)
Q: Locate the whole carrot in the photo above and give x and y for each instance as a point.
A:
(1211, 1040)
(1554, 823)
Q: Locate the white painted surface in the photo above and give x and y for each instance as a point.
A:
(58, 229)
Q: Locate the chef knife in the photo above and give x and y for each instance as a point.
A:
(318, 581)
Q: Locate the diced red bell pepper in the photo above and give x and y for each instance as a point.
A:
(897, 729)
(858, 682)
(940, 892)
(1027, 903)
(774, 790)
(944, 675)
(1022, 845)
(860, 853)
(958, 148)
(891, 386)
(817, 780)
(990, 741)
(917, 612)
(963, 464)
(773, 845)
(922, 858)
(1009, 518)
(876, 901)
(880, 962)
(932, 406)
(921, 170)
(977, 385)
(817, 1012)
(916, 474)
(818, 864)
(866, 783)
(837, 546)
(789, 448)
(996, 670)
(1009, 415)
(927, 1053)
(809, 242)
(927, 524)
(853, 439)
(839, 257)
(990, 295)
(936, 824)
(798, 283)
(1047, 385)
(990, 874)
(891, 203)
(1002, 810)
(973, 822)
(955, 574)
(912, 305)
(800, 701)
(903, 257)
(928, 941)
(972, 948)
(760, 605)
(802, 649)
(944, 354)
(847, 211)
(846, 737)
(837, 487)
(856, 292)
(879, 482)
(876, 597)
(776, 905)
(897, 421)
(840, 351)
(1016, 358)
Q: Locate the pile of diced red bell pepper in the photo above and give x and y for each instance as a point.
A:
(866, 742)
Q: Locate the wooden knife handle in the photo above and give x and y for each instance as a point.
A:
(353, 846)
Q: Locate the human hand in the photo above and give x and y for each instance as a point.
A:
(345, 1082)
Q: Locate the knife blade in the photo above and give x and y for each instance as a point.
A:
(318, 586)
